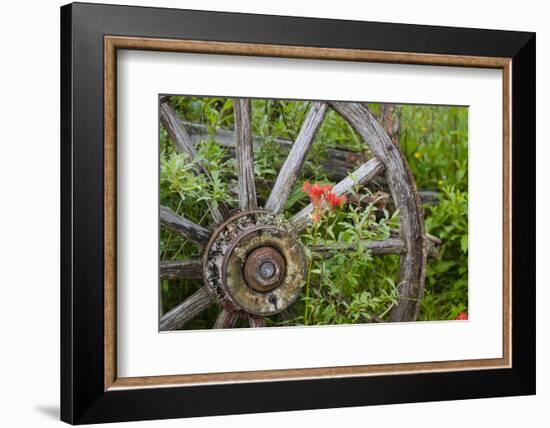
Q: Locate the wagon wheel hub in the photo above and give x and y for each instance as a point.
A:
(254, 265)
(264, 269)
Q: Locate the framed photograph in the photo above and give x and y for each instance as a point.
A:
(266, 213)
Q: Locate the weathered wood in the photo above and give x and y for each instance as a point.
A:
(181, 269)
(244, 144)
(226, 319)
(433, 243)
(183, 226)
(406, 199)
(337, 165)
(338, 162)
(178, 134)
(186, 311)
(288, 314)
(183, 143)
(390, 120)
(290, 171)
(360, 176)
(226, 137)
(385, 246)
(256, 322)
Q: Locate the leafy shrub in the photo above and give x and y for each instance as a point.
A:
(447, 276)
(347, 286)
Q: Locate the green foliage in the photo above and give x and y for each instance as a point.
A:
(187, 193)
(435, 142)
(351, 286)
(447, 276)
(348, 286)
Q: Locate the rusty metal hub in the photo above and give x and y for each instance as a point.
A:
(264, 269)
(254, 264)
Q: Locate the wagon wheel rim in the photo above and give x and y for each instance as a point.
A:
(388, 160)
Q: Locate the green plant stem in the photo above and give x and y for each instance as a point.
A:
(322, 262)
(310, 267)
(383, 314)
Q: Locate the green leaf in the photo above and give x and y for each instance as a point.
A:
(464, 243)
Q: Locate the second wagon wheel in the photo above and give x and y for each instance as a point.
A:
(253, 264)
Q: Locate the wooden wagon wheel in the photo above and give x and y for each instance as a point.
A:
(253, 264)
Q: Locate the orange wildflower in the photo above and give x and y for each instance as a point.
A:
(322, 198)
(334, 200)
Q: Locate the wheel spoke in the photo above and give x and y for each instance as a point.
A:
(182, 141)
(294, 162)
(226, 319)
(186, 311)
(256, 322)
(360, 176)
(181, 269)
(183, 226)
(385, 246)
(244, 145)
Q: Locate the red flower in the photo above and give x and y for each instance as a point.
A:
(322, 198)
(462, 316)
(315, 191)
(334, 200)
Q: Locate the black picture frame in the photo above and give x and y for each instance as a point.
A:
(83, 396)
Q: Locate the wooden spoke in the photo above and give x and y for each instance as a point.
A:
(183, 226)
(181, 269)
(385, 246)
(256, 322)
(406, 199)
(182, 141)
(244, 145)
(288, 314)
(294, 162)
(360, 176)
(186, 311)
(226, 319)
